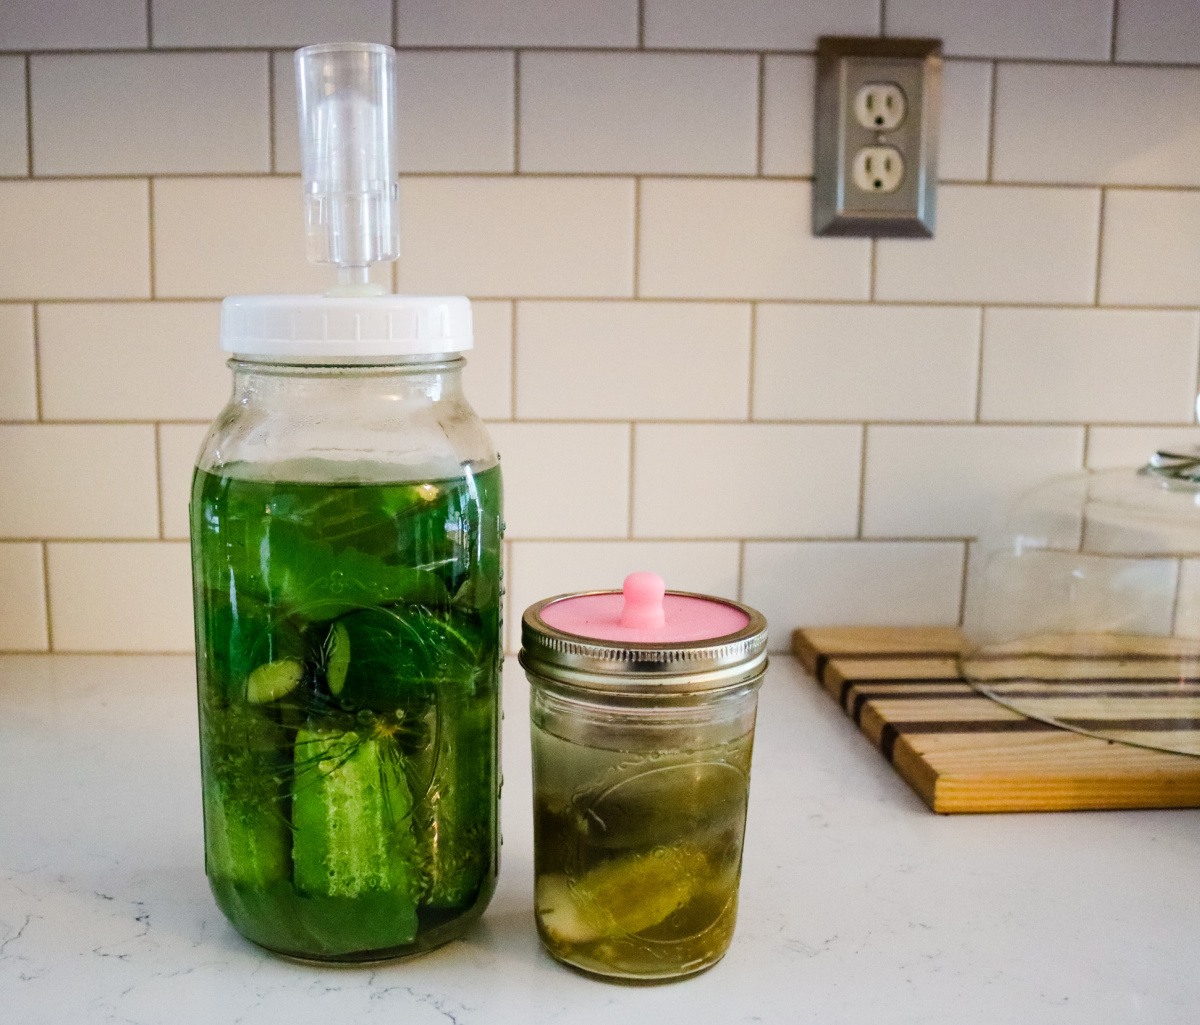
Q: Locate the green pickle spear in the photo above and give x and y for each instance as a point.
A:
(353, 845)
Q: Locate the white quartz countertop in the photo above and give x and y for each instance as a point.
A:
(858, 904)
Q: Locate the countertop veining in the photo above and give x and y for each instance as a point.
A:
(857, 903)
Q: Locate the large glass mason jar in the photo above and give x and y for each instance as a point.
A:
(346, 532)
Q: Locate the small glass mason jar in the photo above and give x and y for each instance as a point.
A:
(642, 729)
(346, 534)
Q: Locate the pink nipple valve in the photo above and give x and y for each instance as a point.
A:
(643, 609)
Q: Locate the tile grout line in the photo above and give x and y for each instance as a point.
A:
(607, 176)
(672, 422)
(158, 480)
(979, 365)
(272, 161)
(150, 239)
(991, 144)
(736, 300)
(1112, 53)
(632, 480)
(752, 362)
(395, 26)
(685, 51)
(546, 539)
(637, 239)
(883, 17)
(29, 114)
(1100, 244)
(962, 587)
(862, 486)
(1196, 408)
(512, 372)
(516, 155)
(760, 143)
(641, 24)
(149, 24)
(37, 364)
(741, 570)
(46, 593)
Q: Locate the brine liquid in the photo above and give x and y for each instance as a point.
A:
(348, 667)
(638, 855)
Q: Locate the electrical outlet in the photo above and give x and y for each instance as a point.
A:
(875, 150)
(878, 169)
(880, 106)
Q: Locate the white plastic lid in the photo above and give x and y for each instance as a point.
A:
(310, 327)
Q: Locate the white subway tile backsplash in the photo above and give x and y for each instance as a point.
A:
(215, 237)
(608, 361)
(543, 569)
(178, 446)
(1080, 365)
(149, 113)
(1151, 248)
(1110, 447)
(789, 91)
(745, 480)
(1111, 138)
(564, 480)
(454, 111)
(1166, 31)
(517, 23)
(957, 481)
(850, 583)
(728, 239)
(74, 240)
(488, 377)
(640, 113)
(678, 374)
(96, 481)
(756, 24)
(998, 244)
(269, 22)
(1064, 29)
(966, 115)
(72, 24)
(126, 596)
(862, 362)
(18, 357)
(131, 361)
(22, 598)
(14, 148)
(529, 236)
(865, 363)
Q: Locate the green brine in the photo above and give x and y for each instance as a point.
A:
(348, 653)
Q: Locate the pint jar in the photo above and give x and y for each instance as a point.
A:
(642, 717)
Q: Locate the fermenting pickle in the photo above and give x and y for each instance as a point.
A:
(638, 854)
(348, 653)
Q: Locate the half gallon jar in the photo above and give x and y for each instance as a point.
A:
(346, 531)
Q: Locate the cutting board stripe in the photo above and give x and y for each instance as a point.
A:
(965, 752)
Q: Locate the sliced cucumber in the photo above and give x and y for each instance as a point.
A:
(337, 657)
(621, 896)
(352, 820)
(273, 680)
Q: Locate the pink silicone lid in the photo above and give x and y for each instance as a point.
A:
(642, 613)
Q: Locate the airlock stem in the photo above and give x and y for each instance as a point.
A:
(349, 159)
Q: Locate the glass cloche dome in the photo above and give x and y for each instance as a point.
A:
(1085, 612)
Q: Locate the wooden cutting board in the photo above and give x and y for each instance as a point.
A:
(963, 752)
